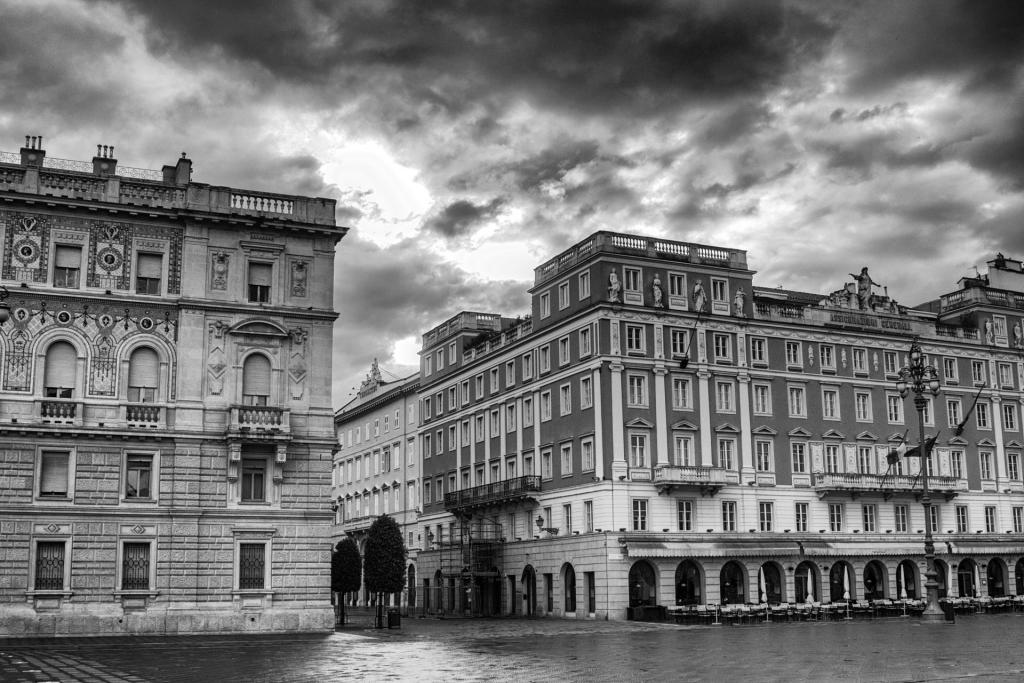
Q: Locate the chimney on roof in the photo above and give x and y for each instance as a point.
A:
(104, 163)
(180, 173)
(32, 154)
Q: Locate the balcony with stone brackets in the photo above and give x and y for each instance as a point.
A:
(59, 411)
(259, 423)
(855, 484)
(707, 480)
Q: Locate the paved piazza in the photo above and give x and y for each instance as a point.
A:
(984, 647)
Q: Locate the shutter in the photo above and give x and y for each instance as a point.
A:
(68, 257)
(61, 364)
(53, 475)
(144, 369)
(259, 274)
(150, 266)
(256, 376)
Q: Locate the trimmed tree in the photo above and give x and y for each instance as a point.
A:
(346, 570)
(384, 563)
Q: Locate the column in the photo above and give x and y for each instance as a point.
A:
(619, 465)
(519, 437)
(598, 426)
(746, 454)
(997, 431)
(704, 405)
(660, 416)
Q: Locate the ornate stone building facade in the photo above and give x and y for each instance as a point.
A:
(165, 410)
(376, 469)
(663, 432)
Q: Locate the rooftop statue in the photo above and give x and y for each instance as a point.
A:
(864, 283)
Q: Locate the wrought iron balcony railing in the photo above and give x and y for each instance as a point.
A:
(707, 479)
(887, 485)
(495, 493)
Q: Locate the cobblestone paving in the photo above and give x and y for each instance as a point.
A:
(984, 648)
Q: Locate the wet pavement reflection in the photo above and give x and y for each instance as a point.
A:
(985, 647)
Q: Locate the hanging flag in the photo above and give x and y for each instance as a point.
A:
(959, 429)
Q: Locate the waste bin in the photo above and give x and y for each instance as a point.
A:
(948, 611)
(394, 618)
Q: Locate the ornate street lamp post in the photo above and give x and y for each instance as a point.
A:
(923, 379)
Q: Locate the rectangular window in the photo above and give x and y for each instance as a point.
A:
(452, 353)
(588, 515)
(135, 566)
(253, 480)
(682, 451)
(635, 341)
(260, 278)
(478, 424)
(67, 264)
(860, 360)
(1009, 417)
(797, 404)
(632, 279)
(762, 399)
(527, 412)
(545, 304)
(990, 519)
(464, 434)
(494, 380)
(981, 415)
(864, 459)
(637, 450)
(891, 362)
(869, 513)
(53, 474)
(722, 347)
(894, 409)
(639, 514)
(902, 518)
(585, 342)
(961, 519)
(831, 458)
(1013, 466)
(978, 371)
(827, 356)
(566, 459)
(567, 517)
(49, 566)
(680, 343)
(586, 393)
(545, 406)
(680, 393)
(563, 295)
(637, 395)
(138, 477)
(793, 356)
(1018, 519)
(798, 453)
(495, 423)
(584, 286)
(510, 373)
(527, 366)
(801, 516)
(728, 515)
(724, 397)
(763, 456)
(563, 351)
(587, 454)
(719, 290)
(510, 417)
(684, 515)
(545, 358)
(148, 272)
(956, 462)
(452, 443)
(1006, 375)
(985, 462)
(949, 370)
(830, 404)
(953, 411)
(759, 350)
(677, 285)
(478, 383)
(726, 453)
(545, 464)
(252, 566)
(765, 514)
(862, 406)
(835, 516)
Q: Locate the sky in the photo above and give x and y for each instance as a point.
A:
(466, 142)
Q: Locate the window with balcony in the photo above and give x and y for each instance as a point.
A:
(61, 370)
(956, 463)
(253, 480)
(148, 273)
(726, 453)
(864, 457)
(260, 279)
(831, 457)
(67, 266)
(256, 380)
(682, 450)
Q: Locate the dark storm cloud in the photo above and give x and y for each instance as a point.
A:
(637, 57)
(462, 217)
(387, 294)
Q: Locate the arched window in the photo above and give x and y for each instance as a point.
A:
(143, 375)
(256, 380)
(61, 370)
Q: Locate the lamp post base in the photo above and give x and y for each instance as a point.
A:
(933, 615)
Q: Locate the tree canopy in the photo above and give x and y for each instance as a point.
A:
(384, 568)
(346, 567)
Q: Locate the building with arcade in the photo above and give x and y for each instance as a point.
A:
(662, 431)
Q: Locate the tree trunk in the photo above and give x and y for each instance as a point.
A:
(380, 610)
